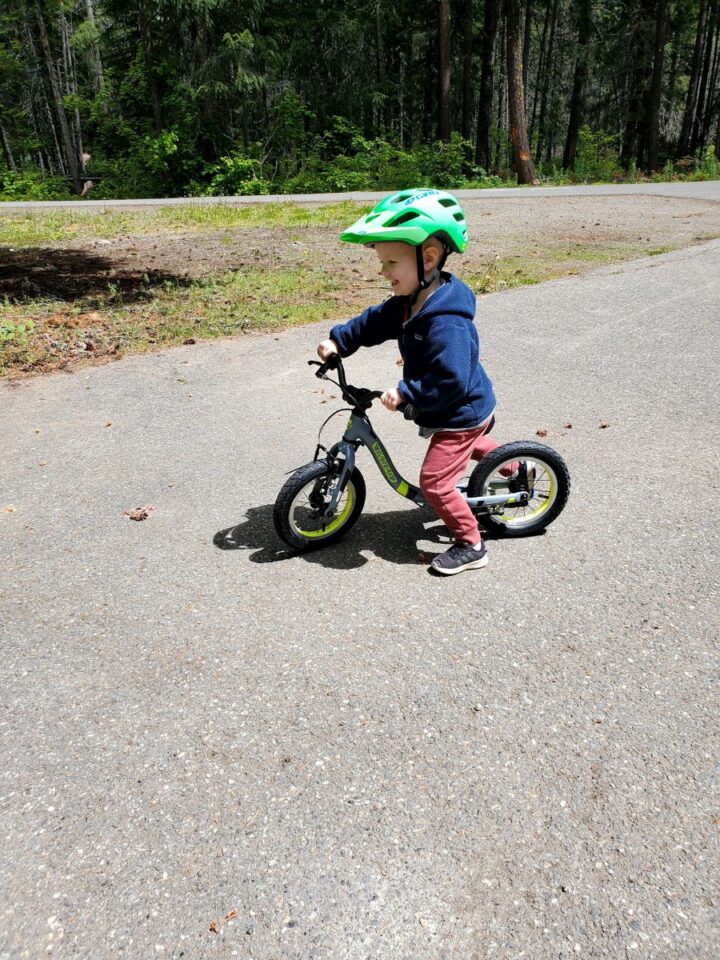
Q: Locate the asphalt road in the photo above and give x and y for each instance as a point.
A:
(700, 190)
(360, 759)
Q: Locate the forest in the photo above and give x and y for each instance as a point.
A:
(142, 98)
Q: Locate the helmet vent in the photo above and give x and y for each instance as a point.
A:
(403, 218)
(403, 196)
(447, 202)
(459, 217)
(371, 216)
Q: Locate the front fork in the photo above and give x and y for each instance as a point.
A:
(341, 455)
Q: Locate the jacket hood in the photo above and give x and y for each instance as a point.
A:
(452, 296)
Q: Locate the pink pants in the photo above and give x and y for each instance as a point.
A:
(444, 465)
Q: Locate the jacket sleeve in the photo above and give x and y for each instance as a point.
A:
(451, 358)
(373, 326)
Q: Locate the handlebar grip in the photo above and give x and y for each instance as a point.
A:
(410, 411)
(332, 363)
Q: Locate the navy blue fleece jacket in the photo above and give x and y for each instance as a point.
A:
(442, 375)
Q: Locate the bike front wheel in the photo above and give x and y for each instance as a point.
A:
(299, 516)
(543, 474)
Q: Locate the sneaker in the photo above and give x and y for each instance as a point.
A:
(460, 556)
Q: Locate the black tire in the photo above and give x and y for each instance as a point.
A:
(297, 517)
(551, 487)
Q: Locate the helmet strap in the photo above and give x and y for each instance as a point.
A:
(423, 281)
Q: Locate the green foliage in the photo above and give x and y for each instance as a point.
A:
(160, 150)
(333, 92)
(597, 156)
(633, 174)
(667, 174)
(288, 120)
(709, 164)
(30, 185)
(15, 331)
(235, 175)
(443, 164)
(343, 160)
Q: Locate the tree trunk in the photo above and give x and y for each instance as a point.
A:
(501, 124)
(577, 102)
(540, 65)
(655, 93)
(148, 50)
(443, 69)
(545, 93)
(61, 162)
(713, 95)
(695, 69)
(70, 80)
(485, 103)
(429, 88)
(467, 84)
(380, 51)
(557, 71)
(707, 59)
(95, 58)
(69, 149)
(9, 159)
(516, 94)
(526, 49)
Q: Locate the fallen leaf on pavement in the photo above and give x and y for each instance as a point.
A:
(10, 508)
(215, 926)
(541, 433)
(140, 513)
(568, 426)
(603, 425)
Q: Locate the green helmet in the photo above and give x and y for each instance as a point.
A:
(412, 216)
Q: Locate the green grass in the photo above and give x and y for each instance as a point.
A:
(538, 264)
(164, 315)
(37, 229)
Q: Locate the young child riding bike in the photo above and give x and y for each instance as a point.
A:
(430, 314)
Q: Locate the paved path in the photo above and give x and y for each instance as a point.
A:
(362, 760)
(702, 190)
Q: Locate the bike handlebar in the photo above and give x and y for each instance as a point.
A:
(357, 395)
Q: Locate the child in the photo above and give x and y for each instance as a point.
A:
(431, 316)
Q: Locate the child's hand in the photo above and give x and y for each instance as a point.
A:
(391, 398)
(326, 348)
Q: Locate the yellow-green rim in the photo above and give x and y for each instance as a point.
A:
(527, 519)
(335, 524)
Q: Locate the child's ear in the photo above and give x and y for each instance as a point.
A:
(431, 256)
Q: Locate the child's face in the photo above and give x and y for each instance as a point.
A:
(398, 265)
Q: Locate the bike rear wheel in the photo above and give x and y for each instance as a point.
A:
(548, 493)
(298, 516)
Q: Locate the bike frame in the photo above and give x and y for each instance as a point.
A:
(359, 432)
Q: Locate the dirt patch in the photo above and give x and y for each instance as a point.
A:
(71, 275)
(498, 226)
(135, 291)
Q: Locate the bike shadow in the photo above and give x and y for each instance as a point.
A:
(391, 536)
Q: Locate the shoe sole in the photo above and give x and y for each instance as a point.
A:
(473, 565)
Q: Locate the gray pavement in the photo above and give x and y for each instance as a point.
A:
(362, 760)
(701, 190)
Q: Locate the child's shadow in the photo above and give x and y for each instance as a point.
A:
(391, 536)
